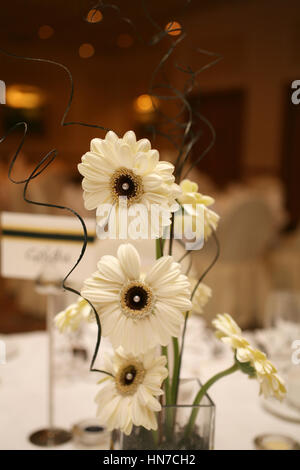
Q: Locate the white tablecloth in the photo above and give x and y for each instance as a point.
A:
(23, 394)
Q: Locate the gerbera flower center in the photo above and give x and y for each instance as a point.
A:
(136, 300)
(124, 182)
(128, 377)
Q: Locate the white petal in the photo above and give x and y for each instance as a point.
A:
(173, 314)
(116, 335)
(130, 138)
(159, 269)
(155, 198)
(180, 302)
(130, 261)
(171, 328)
(93, 200)
(162, 335)
(96, 146)
(109, 269)
(111, 136)
(126, 156)
(152, 182)
(137, 411)
(95, 168)
(109, 320)
(147, 399)
(143, 145)
(93, 294)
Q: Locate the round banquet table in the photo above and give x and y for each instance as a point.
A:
(23, 396)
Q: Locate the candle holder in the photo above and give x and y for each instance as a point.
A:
(49, 285)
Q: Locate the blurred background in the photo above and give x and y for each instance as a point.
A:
(252, 171)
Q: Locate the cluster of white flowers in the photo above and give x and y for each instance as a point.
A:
(190, 196)
(71, 318)
(202, 295)
(141, 311)
(230, 333)
(138, 311)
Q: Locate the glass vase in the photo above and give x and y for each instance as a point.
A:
(183, 426)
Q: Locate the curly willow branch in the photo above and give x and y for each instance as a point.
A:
(40, 167)
(188, 136)
(203, 275)
(187, 140)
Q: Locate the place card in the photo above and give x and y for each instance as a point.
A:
(33, 243)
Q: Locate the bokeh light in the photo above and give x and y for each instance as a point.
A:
(94, 16)
(124, 40)
(86, 50)
(24, 96)
(146, 104)
(173, 28)
(45, 31)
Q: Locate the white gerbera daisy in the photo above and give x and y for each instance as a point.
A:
(124, 167)
(71, 318)
(128, 396)
(226, 326)
(272, 385)
(138, 311)
(260, 367)
(191, 196)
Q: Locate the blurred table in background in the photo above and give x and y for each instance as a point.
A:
(23, 406)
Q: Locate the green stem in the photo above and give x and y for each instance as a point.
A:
(201, 394)
(175, 377)
(158, 248)
(193, 293)
(168, 395)
(155, 436)
(164, 350)
(181, 353)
